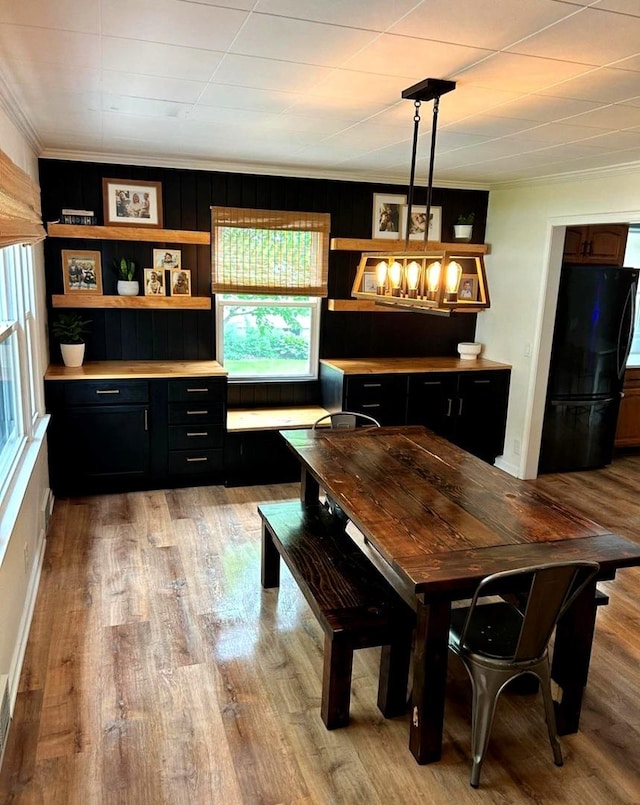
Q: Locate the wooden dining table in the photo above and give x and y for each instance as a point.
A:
(438, 520)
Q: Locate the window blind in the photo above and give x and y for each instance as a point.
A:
(269, 252)
(20, 215)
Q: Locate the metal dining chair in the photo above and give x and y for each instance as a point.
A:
(343, 420)
(499, 641)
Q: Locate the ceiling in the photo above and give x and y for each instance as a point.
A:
(313, 87)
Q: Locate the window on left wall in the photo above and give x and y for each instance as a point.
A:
(19, 403)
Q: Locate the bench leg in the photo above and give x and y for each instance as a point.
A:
(270, 570)
(394, 676)
(336, 682)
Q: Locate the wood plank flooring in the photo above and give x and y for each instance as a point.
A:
(158, 672)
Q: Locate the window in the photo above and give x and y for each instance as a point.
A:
(632, 258)
(269, 273)
(19, 394)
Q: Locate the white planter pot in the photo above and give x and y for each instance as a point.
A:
(463, 231)
(128, 287)
(72, 354)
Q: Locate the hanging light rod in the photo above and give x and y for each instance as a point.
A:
(428, 89)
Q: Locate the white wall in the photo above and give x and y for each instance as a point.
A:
(525, 227)
(24, 514)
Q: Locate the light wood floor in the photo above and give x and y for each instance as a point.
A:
(157, 672)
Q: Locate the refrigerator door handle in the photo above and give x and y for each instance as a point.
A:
(629, 302)
(585, 401)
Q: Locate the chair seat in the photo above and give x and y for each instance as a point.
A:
(493, 633)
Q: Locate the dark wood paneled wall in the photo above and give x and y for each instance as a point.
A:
(187, 198)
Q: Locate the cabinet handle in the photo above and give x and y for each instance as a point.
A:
(460, 406)
(479, 382)
(450, 404)
(431, 383)
(201, 458)
(192, 413)
(370, 405)
(193, 391)
(589, 251)
(371, 385)
(146, 419)
(107, 391)
(204, 433)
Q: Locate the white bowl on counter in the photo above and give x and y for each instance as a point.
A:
(469, 350)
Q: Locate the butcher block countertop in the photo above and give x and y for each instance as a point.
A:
(376, 366)
(129, 370)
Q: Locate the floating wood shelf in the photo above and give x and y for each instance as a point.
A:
(148, 234)
(77, 300)
(383, 245)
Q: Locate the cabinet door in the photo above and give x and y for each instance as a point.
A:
(384, 397)
(104, 441)
(575, 241)
(606, 244)
(482, 413)
(433, 401)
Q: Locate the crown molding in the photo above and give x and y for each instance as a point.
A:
(564, 178)
(260, 169)
(10, 105)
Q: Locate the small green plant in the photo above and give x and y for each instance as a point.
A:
(69, 328)
(125, 268)
(466, 219)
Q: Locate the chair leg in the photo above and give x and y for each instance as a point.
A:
(336, 682)
(486, 689)
(549, 711)
(394, 675)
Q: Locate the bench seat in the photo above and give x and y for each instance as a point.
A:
(354, 604)
(251, 419)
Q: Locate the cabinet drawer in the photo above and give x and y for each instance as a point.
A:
(187, 437)
(204, 388)
(107, 392)
(204, 412)
(195, 462)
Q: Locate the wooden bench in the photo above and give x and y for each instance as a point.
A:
(353, 603)
(257, 419)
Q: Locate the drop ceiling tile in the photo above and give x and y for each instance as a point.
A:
(245, 5)
(615, 140)
(555, 133)
(319, 125)
(341, 108)
(378, 89)
(602, 86)
(480, 23)
(616, 116)
(153, 58)
(489, 125)
(28, 44)
(172, 22)
(67, 15)
(299, 41)
(152, 87)
(517, 73)
(406, 56)
(56, 77)
(375, 15)
(591, 36)
(143, 107)
(235, 120)
(248, 71)
(448, 140)
(632, 63)
(543, 108)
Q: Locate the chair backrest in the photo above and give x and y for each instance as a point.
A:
(347, 420)
(545, 592)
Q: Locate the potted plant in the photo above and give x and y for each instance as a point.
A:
(127, 284)
(463, 227)
(69, 329)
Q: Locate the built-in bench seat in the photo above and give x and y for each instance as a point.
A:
(252, 419)
(354, 604)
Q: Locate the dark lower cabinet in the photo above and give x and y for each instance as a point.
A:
(121, 435)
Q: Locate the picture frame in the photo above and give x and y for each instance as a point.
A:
(418, 218)
(132, 203)
(154, 282)
(468, 289)
(180, 284)
(368, 282)
(168, 259)
(389, 214)
(81, 272)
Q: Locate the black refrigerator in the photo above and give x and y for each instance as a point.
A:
(591, 342)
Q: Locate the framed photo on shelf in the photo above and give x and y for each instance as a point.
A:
(369, 282)
(419, 219)
(167, 258)
(389, 213)
(468, 289)
(154, 282)
(81, 272)
(180, 282)
(131, 203)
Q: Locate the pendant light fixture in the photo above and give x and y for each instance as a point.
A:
(424, 276)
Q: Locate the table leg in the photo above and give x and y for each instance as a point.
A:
(571, 656)
(429, 680)
(309, 489)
